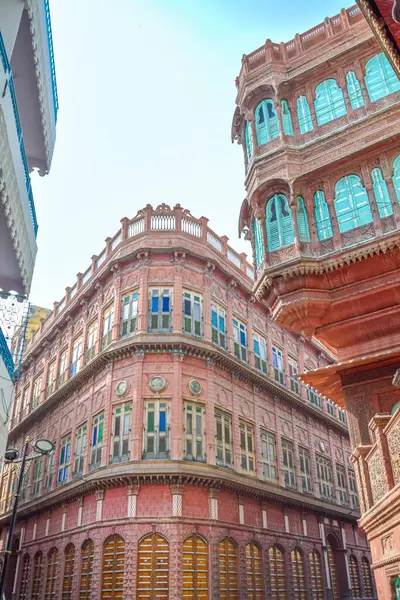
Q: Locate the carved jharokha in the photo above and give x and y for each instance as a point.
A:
(317, 118)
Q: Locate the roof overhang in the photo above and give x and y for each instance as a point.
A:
(380, 16)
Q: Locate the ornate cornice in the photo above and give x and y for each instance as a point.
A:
(175, 345)
(176, 473)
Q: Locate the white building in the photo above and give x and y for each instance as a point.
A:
(28, 114)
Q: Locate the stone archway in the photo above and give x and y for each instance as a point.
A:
(11, 569)
(337, 568)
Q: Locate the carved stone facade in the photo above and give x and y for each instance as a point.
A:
(176, 434)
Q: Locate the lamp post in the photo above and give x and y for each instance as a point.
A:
(42, 448)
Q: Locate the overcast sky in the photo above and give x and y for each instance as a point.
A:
(146, 92)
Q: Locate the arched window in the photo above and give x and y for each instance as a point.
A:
(248, 137)
(329, 101)
(195, 568)
(304, 115)
(37, 576)
(302, 220)
(396, 177)
(351, 203)
(153, 568)
(258, 242)
(286, 118)
(228, 570)
(317, 588)
(322, 216)
(255, 589)
(52, 574)
(332, 570)
(299, 583)
(395, 407)
(112, 582)
(367, 579)
(381, 193)
(354, 90)
(68, 572)
(277, 573)
(279, 223)
(267, 124)
(380, 77)
(24, 588)
(354, 577)
(87, 556)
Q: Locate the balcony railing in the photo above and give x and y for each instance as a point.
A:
(147, 221)
(10, 84)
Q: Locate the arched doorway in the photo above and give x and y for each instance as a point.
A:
(11, 569)
(337, 568)
(153, 568)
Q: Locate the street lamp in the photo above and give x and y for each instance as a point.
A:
(42, 447)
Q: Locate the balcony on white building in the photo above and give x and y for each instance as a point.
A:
(28, 113)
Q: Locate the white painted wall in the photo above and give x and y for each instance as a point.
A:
(6, 399)
(10, 17)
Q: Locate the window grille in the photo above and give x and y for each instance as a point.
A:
(192, 314)
(224, 443)
(129, 314)
(269, 456)
(97, 440)
(228, 569)
(156, 430)
(254, 573)
(153, 568)
(112, 581)
(194, 431)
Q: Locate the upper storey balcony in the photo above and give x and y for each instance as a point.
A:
(300, 103)
(28, 112)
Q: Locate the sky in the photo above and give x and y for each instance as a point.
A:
(146, 92)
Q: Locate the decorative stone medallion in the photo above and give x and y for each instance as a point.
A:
(322, 446)
(157, 383)
(195, 387)
(122, 388)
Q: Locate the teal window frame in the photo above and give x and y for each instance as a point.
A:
(381, 193)
(322, 216)
(248, 138)
(354, 91)
(304, 115)
(380, 78)
(287, 124)
(258, 242)
(302, 220)
(352, 204)
(396, 177)
(279, 223)
(266, 121)
(329, 102)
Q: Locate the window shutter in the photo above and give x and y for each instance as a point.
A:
(261, 125)
(396, 177)
(286, 118)
(354, 90)
(381, 193)
(304, 115)
(302, 221)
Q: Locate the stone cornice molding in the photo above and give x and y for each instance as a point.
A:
(174, 474)
(178, 345)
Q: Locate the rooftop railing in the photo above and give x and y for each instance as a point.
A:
(51, 55)
(288, 51)
(148, 221)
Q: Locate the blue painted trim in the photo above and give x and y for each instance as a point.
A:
(51, 54)
(5, 354)
(8, 72)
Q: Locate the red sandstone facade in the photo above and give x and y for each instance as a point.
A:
(188, 462)
(328, 265)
